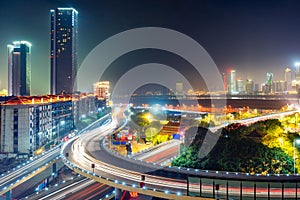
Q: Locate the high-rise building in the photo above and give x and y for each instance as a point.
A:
(225, 82)
(27, 123)
(270, 78)
(256, 88)
(101, 90)
(240, 86)
(279, 86)
(19, 68)
(233, 82)
(63, 54)
(288, 79)
(179, 88)
(249, 86)
(268, 87)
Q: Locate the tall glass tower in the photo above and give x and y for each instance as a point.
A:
(233, 88)
(19, 68)
(288, 79)
(63, 54)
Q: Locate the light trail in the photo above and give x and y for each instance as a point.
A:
(60, 193)
(83, 158)
(24, 169)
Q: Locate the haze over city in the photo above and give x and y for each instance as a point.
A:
(253, 37)
(149, 99)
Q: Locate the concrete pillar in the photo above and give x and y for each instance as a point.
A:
(8, 195)
(118, 194)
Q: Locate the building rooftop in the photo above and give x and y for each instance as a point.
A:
(27, 100)
(31, 100)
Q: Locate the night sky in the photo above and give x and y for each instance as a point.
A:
(253, 37)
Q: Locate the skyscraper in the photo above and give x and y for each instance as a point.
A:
(19, 68)
(249, 86)
(63, 54)
(240, 86)
(269, 83)
(179, 88)
(233, 82)
(225, 82)
(288, 79)
(101, 89)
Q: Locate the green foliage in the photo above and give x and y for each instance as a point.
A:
(161, 139)
(272, 126)
(236, 151)
(151, 132)
(188, 158)
(140, 119)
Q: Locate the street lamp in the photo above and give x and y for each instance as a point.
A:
(295, 142)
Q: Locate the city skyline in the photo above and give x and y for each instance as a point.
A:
(167, 99)
(237, 43)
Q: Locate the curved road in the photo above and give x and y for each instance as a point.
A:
(118, 171)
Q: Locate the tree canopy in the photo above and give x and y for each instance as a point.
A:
(238, 150)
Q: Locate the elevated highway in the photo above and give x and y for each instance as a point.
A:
(37, 164)
(27, 170)
(90, 156)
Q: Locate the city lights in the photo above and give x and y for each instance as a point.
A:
(219, 118)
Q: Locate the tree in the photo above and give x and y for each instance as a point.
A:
(151, 132)
(237, 153)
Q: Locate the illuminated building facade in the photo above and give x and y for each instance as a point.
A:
(63, 54)
(233, 88)
(240, 86)
(28, 123)
(101, 90)
(84, 105)
(288, 79)
(19, 68)
(279, 87)
(268, 87)
(179, 88)
(225, 82)
(249, 86)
